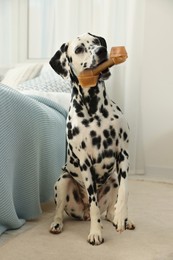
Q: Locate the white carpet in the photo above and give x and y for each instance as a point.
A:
(151, 208)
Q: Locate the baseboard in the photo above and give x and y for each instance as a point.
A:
(137, 172)
(157, 174)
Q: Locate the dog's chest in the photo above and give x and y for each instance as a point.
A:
(96, 132)
(93, 142)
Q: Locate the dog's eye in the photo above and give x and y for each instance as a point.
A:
(79, 49)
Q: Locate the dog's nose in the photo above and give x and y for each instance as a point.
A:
(101, 51)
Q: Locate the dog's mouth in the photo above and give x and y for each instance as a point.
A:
(105, 74)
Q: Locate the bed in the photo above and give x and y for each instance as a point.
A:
(33, 110)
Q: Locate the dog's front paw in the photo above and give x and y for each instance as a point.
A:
(130, 225)
(56, 227)
(95, 239)
(120, 220)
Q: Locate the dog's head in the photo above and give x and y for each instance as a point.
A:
(85, 52)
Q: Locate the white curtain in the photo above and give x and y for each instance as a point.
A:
(120, 22)
(5, 32)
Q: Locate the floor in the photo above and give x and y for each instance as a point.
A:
(150, 207)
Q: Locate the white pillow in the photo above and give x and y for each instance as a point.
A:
(21, 73)
(47, 81)
(61, 98)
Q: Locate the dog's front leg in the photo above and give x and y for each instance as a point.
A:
(95, 235)
(60, 191)
(121, 210)
(120, 220)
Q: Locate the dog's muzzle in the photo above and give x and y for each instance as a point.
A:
(102, 54)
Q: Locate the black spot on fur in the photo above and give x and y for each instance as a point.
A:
(80, 114)
(107, 143)
(76, 196)
(76, 131)
(120, 132)
(106, 190)
(113, 133)
(65, 176)
(90, 190)
(106, 133)
(67, 198)
(93, 105)
(69, 125)
(73, 174)
(107, 153)
(125, 136)
(99, 158)
(96, 141)
(74, 93)
(115, 185)
(93, 133)
(77, 105)
(83, 145)
(87, 163)
(117, 142)
(85, 122)
(73, 77)
(91, 100)
(123, 174)
(121, 157)
(119, 179)
(126, 154)
(70, 135)
(119, 109)
(104, 111)
(85, 65)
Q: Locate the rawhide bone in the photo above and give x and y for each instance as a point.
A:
(89, 77)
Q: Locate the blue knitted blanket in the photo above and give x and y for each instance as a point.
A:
(32, 152)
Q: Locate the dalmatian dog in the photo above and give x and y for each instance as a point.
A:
(94, 178)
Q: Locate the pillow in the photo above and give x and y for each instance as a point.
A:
(63, 99)
(21, 73)
(47, 81)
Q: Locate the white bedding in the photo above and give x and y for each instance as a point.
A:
(62, 98)
(21, 73)
(38, 79)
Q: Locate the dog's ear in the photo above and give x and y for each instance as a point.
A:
(59, 62)
(101, 39)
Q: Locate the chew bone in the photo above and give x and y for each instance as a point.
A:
(89, 77)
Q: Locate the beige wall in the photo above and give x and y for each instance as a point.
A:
(157, 85)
